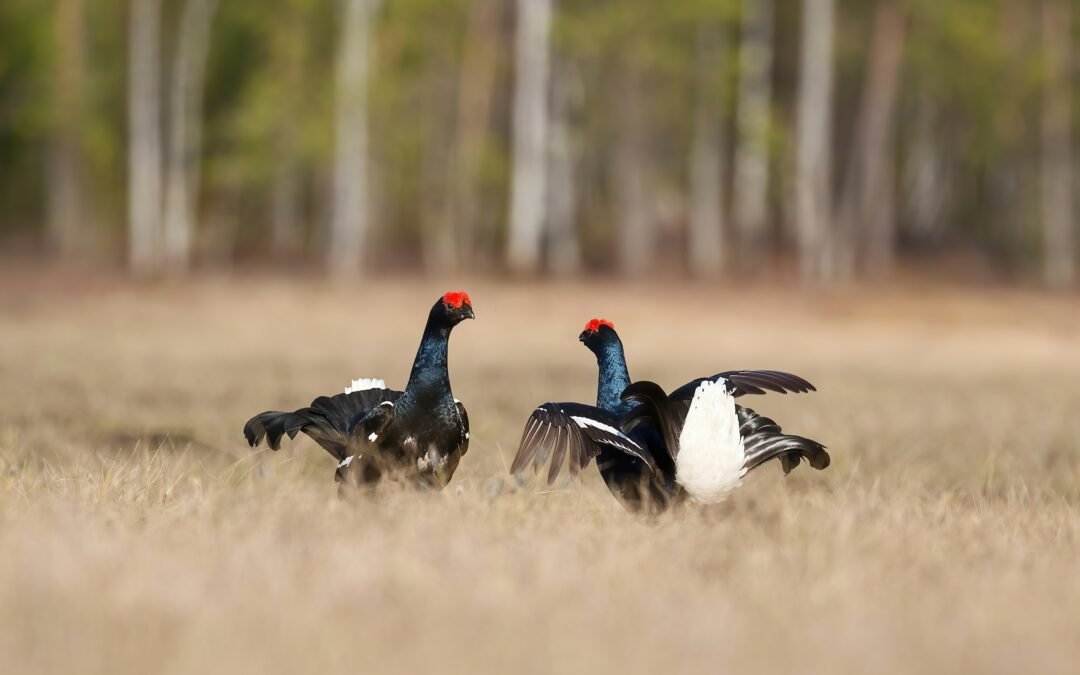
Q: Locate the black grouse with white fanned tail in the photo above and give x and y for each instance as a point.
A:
(420, 433)
(653, 448)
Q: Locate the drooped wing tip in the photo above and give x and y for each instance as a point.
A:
(527, 447)
(254, 431)
(794, 383)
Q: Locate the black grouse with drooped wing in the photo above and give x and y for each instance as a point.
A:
(420, 433)
(634, 430)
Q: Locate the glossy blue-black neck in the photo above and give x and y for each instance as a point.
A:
(429, 382)
(614, 376)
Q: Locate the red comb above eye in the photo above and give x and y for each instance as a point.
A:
(457, 298)
(595, 324)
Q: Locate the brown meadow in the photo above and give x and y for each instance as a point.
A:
(138, 533)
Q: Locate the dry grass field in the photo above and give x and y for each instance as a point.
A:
(139, 534)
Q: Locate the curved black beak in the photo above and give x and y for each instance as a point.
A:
(469, 313)
(584, 334)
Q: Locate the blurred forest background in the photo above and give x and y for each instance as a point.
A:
(820, 139)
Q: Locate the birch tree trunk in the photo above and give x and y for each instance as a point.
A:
(350, 200)
(754, 113)
(564, 237)
(925, 177)
(64, 171)
(1013, 181)
(285, 234)
(530, 135)
(1059, 243)
(144, 137)
(867, 170)
(437, 241)
(476, 95)
(288, 56)
(705, 241)
(635, 244)
(185, 132)
(813, 160)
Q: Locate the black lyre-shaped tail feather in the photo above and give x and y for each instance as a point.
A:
(329, 420)
(763, 440)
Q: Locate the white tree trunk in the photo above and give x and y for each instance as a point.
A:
(288, 55)
(862, 206)
(754, 114)
(185, 132)
(635, 246)
(565, 239)
(1014, 179)
(144, 137)
(528, 186)
(476, 95)
(705, 240)
(285, 207)
(350, 207)
(65, 157)
(437, 243)
(1058, 222)
(926, 180)
(813, 157)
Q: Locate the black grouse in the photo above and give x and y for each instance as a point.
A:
(419, 434)
(653, 449)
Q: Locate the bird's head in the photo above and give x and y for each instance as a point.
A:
(598, 333)
(454, 307)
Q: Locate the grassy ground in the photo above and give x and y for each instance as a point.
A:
(139, 534)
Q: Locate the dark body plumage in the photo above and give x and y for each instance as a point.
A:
(420, 433)
(634, 430)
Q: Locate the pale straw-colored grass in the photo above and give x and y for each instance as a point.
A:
(139, 534)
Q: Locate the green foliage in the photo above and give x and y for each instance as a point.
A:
(25, 117)
(270, 96)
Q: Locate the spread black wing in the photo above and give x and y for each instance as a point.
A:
(329, 420)
(743, 382)
(574, 430)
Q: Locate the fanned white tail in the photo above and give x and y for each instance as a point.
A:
(365, 383)
(711, 459)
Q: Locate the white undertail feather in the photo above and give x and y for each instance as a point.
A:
(710, 463)
(365, 383)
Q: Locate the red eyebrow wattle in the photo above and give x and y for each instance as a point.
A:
(594, 325)
(457, 298)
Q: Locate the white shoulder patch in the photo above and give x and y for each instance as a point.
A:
(345, 462)
(363, 384)
(710, 462)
